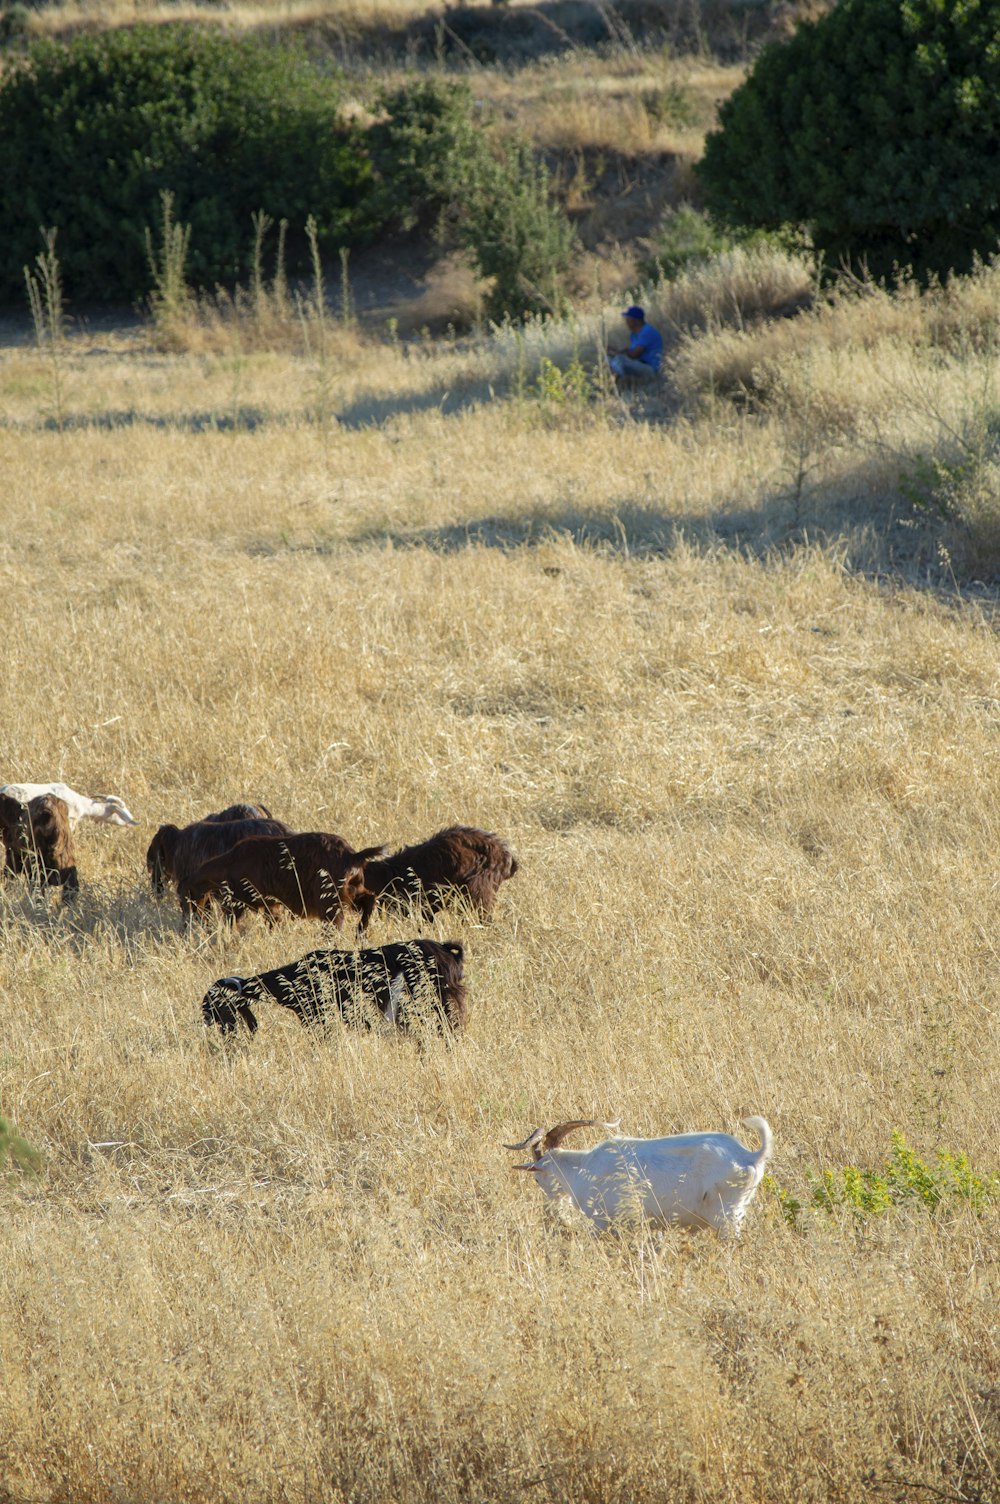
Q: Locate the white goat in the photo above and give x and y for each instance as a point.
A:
(690, 1180)
(106, 807)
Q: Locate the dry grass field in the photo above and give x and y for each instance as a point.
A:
(741, 729)
(721, 661)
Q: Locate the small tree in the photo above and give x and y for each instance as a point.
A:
(876, 129)
(421, 150)
(433, 160)
(515, 232)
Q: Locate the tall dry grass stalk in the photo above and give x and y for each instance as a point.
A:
(753, 794)
(43, 285)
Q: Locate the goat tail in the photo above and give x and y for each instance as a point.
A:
(761, 1128)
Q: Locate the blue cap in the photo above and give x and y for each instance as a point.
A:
(635, 312)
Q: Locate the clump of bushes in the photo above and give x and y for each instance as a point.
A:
(956, 486)
(96, 130)
(875, 129)
(101, 133)
(686, 236)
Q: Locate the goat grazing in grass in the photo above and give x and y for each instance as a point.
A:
(105, 807)
(38, 841)
(460, 860)
(313, 874)
(691, 1180)
(398, 985)
(175, 853)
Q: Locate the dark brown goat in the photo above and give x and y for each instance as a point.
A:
(38, 841)
(459, 860)
(176, 853)
(399, 984)
(314, 875)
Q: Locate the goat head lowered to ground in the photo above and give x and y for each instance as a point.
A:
(461, 861)
(314, 874)
(691, 1180)
(38, 842)
(400, 985)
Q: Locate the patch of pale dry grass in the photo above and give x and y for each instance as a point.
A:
(632, 103)
(240, 15)
(753, 799)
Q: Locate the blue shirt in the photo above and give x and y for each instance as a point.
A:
(647, 345)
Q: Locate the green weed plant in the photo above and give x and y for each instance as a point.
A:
(904, 1180)
(16, 1153)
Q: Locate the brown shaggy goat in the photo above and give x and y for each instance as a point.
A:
(37, 841)
(460, 860)
(176, 853)
(399, 984)
(314, 875)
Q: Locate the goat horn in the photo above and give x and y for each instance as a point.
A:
(555, 1136)
(531, 1142)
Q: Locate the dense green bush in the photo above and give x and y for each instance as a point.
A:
(686, 236)
(94, 131)
(515, 232)
(877, 129)
(492, 197)
(421, 149)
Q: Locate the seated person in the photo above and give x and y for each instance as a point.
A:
(645, 352)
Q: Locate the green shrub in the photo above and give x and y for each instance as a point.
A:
(515, 232)
(13, 22)
(16, 1152)
(491, 197)
(96, 130)
(686, 236)
(905, 1179)
(874, 128)
(672, 105)
(957, 486)
(420, 150)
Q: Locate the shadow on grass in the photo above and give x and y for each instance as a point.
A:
(242, 419)
(372, 409)
(368, 411)
(625, 528)
(881, 540)
(120, 915)
(465, 34)
(640, 530)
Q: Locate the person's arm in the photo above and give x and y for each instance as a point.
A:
(636, 344)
